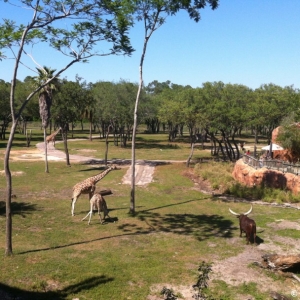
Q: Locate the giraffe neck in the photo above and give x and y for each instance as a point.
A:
(98, 177)
(56, 132)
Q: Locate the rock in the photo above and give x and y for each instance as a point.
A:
(275, 135)
(286, 154)
(249, 176)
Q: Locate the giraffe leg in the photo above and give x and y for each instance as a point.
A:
(91, 194)
(99, 213)
(104, 208)
(73, 205)
(108, 215)
(89, 214)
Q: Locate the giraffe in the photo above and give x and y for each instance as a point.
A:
(99, 203)
(51, 137)
(88, 186)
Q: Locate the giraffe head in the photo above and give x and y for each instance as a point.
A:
(114, 167)
(98, 177)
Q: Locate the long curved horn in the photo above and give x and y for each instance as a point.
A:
(248, 212)
(234, 213)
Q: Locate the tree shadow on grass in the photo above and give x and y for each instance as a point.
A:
(87, 284)
(200, 226)
(156, 146)
(18, 208)
(98, 169)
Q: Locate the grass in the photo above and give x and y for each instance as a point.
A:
(218, 174)
(149, 147)
(293, 233)
(57, 256)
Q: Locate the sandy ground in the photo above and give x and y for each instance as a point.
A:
(143, 170)
(233, 270)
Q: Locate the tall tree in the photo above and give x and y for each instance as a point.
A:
(114, 108)
(45, 102)
(269, 105)
(153, 14)
(93, 21)
(71, 99)
(104, 94)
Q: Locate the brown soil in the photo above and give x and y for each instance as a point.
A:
(26, 154)
(239, 269)
(202, 185)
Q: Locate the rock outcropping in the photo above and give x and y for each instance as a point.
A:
(249, 176)
(275, 133)
(286, 154)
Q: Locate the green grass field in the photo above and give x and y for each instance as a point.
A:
(57, 256)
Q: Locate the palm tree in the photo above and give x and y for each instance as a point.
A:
(45, 100)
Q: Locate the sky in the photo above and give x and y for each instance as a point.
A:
(249, 42)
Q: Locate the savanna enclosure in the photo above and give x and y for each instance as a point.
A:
(170, 237)
(182, 219)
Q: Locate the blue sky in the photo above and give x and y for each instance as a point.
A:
(250, 42)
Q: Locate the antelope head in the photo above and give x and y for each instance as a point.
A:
(245, 214)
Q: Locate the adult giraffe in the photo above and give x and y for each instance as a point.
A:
(51, 137)
(88, 186)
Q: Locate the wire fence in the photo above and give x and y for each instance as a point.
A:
(272, 164)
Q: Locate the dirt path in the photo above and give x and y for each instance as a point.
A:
(143, 169)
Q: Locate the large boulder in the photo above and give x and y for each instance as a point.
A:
(286, 154)
(250, 177)
(275, 135)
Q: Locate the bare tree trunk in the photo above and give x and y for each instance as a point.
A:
(281, 262)
(45, 101)
(28, 137)
(65, 138)
(191, 155)
(106, 144)
(132, 192)
(8, 246)
(149, 29)
(91, 127)
(46, 152)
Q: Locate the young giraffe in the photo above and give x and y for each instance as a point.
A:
(98, 202)
(51, 137)
(88, 186)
